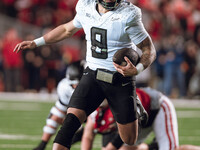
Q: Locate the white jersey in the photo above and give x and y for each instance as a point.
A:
(65, 90)
(109, 32)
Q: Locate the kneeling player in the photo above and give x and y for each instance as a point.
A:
(57, 114)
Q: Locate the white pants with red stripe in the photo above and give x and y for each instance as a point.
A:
(165, 126)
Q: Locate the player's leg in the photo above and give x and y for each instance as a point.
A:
(74, 118)
(165, 126)
(128, 132)
(142, 136)
(56, 117)
(123, 105)
(85, 99)
(117, 143)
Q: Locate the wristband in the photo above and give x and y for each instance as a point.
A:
(139, 67)
(39, 41)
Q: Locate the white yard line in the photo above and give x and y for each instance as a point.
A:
(14, 146)
(19, 106)
(186, 103)
(29, 97)
(19, 137)
(188, 114)
(46, 97)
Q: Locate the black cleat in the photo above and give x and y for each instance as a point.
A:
(41, 146)
(142, 114)
(153, 145)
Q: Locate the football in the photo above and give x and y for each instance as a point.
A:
(132, 55)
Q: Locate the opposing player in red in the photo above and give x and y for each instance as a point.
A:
(162, 121)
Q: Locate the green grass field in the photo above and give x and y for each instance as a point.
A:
(21, 125)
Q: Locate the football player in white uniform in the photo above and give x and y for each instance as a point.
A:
(57, 114)
(109, 25)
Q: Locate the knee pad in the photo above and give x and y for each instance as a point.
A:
(70, 125)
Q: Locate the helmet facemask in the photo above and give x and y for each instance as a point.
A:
(109, 5)
(75, 71)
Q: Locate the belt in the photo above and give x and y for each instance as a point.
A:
(112, 77)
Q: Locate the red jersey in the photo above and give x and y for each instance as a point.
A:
(104, 121)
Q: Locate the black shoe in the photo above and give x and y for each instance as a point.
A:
(41, 146)
(153, 145)
(142, 114)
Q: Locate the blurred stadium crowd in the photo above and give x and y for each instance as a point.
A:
(174, 26)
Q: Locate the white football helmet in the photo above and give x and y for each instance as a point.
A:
(75, 71)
